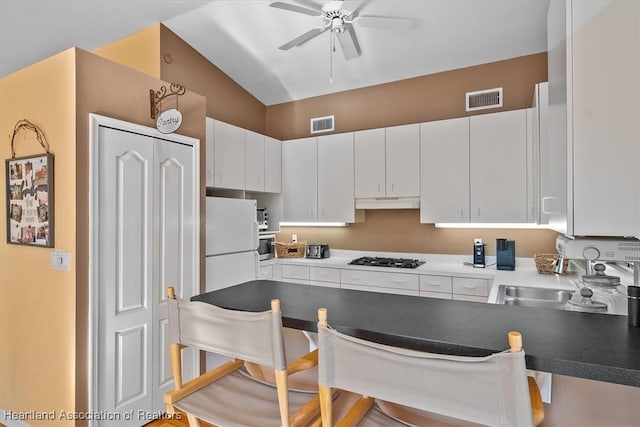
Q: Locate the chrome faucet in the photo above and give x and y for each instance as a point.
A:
(636, 273)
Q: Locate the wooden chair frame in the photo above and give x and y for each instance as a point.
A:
(306, 414)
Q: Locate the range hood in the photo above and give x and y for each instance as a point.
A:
(388, 203)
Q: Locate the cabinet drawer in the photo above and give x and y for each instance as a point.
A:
(380, 279)
(324, 284)
(324, 274)
(295, 272)
(266, 272)
(467, 286)
(381, 289)
(474, 298)
(438, 295)
(436, 284)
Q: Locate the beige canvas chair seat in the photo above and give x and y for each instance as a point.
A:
(237, 400)
(227, 396)
(493, 390)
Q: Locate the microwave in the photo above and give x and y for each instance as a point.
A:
(266, 246)
(262, 216)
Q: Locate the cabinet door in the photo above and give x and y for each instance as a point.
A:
(300, 183)
(605, 106)
(403, 160)
(369, 163)
(444, 163)
(272, 165)
(498, 165)
(335, 178)
(228, 156)
(254, 161)
(209, 152)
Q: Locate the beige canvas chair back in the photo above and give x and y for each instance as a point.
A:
(253, 337)
(488, 390)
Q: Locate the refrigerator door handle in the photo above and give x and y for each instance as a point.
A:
(256, 236)
(257, 256)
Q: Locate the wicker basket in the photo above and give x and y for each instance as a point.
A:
(290, 250)
(546, 263)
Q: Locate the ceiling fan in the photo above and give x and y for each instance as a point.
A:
(340, 21)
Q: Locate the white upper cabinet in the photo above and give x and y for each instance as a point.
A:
(210, 151)
(403, 160)
(387, 162)
(444, 160)
(370, 163)
(603, 86)
(241, 159)
(335, 178)
(272, 165)
(498, 167)
(300, 180)
(228, 145)
(254, 161)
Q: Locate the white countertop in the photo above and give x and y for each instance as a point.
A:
(525, 273)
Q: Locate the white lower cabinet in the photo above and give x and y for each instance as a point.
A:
(456, 288)
(470, 289)
(324, 276)
(436, 284)
(266, 272)
(425, 285)
(296, 272)
(371, 280)
(381, 289)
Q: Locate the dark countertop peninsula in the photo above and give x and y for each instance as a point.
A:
(599, 347)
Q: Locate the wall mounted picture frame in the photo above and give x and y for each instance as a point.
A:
(30, 200)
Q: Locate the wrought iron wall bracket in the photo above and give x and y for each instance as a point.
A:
(157, 96)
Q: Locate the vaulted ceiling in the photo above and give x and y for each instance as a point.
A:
(242, 37)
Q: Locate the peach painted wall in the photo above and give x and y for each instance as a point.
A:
(140, 51)
(37, 304)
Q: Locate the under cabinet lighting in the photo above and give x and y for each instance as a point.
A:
(489, 225)
(313, 224)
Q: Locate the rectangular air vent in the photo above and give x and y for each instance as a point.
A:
(482, 99)
(322, 124)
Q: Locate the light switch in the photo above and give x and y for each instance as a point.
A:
(60, 260)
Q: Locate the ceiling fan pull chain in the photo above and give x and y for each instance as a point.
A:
(332, 49)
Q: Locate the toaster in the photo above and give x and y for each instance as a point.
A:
(317, 250)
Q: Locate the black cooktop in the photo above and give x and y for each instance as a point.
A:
(387, 262)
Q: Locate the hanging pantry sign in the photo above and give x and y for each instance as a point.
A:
(30, 193)
(169, 120)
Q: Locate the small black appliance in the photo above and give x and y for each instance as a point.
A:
(505, 254)
(478, 253)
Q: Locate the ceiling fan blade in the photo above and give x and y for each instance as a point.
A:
(359, 8)
(303, 38)
(310, 4)
(349, 42)
(384, 22)
(295, 8)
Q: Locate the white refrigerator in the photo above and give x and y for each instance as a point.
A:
(231, 242)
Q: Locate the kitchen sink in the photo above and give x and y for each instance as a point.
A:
(533, 297)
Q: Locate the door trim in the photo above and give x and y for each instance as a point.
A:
(95, 122)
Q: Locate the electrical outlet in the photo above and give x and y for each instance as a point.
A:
(294, 238)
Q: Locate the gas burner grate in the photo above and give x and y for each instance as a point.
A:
(387, 262)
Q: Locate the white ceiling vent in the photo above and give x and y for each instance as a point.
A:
(322, 124)
(482, 99)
